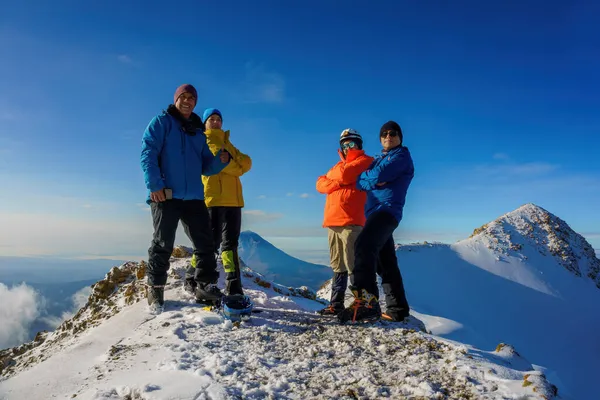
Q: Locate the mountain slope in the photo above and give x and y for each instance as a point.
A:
(275, 265)
(533, 228)
(112, 349)
(505, 284)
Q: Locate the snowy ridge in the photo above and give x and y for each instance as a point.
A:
(549, 235)
(112, 349)
(481, 291)
(275, 265)
(120, 287)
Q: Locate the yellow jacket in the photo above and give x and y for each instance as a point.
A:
(225, 189)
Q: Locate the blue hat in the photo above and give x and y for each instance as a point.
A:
(211, 111)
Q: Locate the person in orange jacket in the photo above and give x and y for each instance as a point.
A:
(344, 213)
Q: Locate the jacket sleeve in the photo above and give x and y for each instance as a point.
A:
(326, 185)
(239, 163)
(211, 164)
(152, 144)
(349, 172)
(388, 170)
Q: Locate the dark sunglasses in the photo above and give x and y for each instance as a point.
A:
(349, 145)
(389, 133)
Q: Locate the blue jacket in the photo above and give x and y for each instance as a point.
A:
(174, 159)
(396, 169)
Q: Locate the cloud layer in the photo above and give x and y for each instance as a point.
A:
(79, 300)
(20, 306)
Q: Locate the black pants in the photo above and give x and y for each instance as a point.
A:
(226, 224)
(375, 253)
(339, 283)
(194, 218)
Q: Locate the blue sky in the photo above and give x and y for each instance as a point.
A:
(498, 102)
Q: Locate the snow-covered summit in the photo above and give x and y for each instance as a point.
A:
(276, 265)
(531, 227)
(112, 349)
(508, 282)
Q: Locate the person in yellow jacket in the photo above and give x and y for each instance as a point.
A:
(224, 198)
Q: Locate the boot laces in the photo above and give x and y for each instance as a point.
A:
(362, 299)
(356, 305)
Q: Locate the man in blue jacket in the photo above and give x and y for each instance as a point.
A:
(174, 158)
(386, 183)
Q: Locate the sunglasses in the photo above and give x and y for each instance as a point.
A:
(349, 145)
(389, 133)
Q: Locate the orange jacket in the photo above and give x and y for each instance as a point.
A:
(345, 204)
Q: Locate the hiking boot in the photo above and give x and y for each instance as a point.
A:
(233, 287)
(189, 286)
(208, 293)
(395, 315)
(156, 298)
(364, 308)
(331, 310)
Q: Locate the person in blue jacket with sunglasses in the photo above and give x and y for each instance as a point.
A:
(386, 183)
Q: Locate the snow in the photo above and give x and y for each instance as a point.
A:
(528, 298)
(510, 313)
(275, 265)
(286, 351)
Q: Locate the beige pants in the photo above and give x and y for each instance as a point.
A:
(341, 247)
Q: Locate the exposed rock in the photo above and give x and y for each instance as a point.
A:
(181, 252)
(532, 226)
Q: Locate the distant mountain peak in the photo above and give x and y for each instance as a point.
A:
(529, 208)
(252, 235)
(265, 258)
(532, 225)
(255, 238)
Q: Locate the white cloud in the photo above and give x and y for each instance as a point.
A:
(501, 156)
(79, 300)
(305, 195)
(290, 194)
(262, 86)
(87, 206)
(143, 206)
(258, 216)
(125, 59)
(19, 307)
(262, 197)
(43, 234)
(518, 169)
(113, 256)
